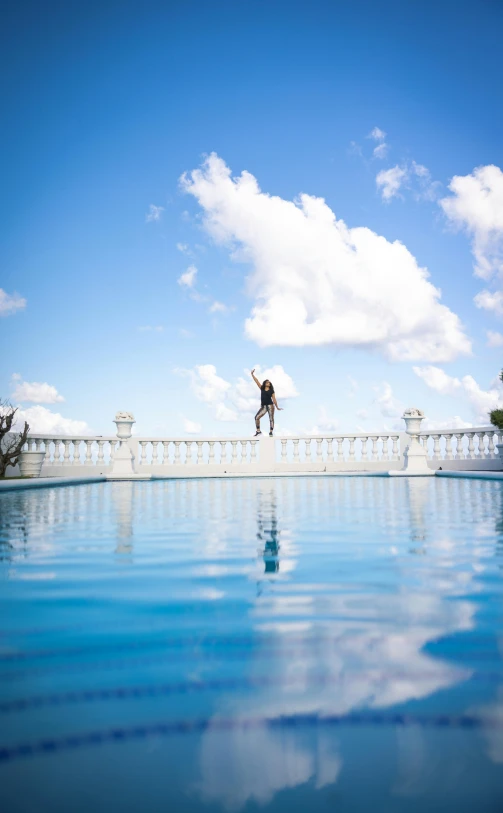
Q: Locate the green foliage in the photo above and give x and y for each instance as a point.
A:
(496, 418)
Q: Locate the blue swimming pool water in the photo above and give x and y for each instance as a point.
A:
(300, 644)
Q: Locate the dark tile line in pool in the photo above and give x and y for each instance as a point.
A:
(162, 729)
(465, 658)
(258, 641)
(221, 685)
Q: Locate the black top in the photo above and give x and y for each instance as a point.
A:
(266, 396)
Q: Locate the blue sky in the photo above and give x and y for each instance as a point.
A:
(106, 105)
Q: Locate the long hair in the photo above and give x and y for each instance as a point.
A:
(267, 381)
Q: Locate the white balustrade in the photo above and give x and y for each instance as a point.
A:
(470, 448)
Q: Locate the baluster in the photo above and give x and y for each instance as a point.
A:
(330, 454)
(76, 452)
(199, 451)
(234, 451)
(308, 450)
(165, 452)
(448, 447)
(143, 456)
(374, 439)
(296, 457)
(351, 449)
(154, 452)
(490, 450)
(340, 451)
(364, 449)
(101, 457)
(481, 443)
(459, 446)
(319, 455)
(385, 450)
(244, 456)
(57, 452)
(113, 444)
(471, 445)
(436, 447)
(47, 458)
(188, 452)
(89, 453)
(223, 451)
(66, 453)
(38, 444)
(176, 461)
(283, 449)
(395, 454)
(253, 451)
(211, 456)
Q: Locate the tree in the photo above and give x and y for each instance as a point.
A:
(11, 443)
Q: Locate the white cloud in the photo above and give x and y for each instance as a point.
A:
(389, 406)
(42, 420)
(380, 151)
(184, 249)
(218, 307)
(450, 423)
(151, 328)
(229, 402)
(476, 204)
(324, 424)
(36, 393)
(412, 176)
(154, 213)
(389, 181)
(10, 303)
(246, 395)
(490, 301)
(481, 401)
(191, 427)
(188, 278)
(316, 281)
(377, 134)
(426, 188)
(494, 339)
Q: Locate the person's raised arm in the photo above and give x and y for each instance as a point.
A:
(257, 382)
(275, 402)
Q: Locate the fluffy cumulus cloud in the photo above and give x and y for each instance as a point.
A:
(37, 393)
(41, 420)
(480, 401)
(490, 301)
(476, 205)
(230, 401)
(10, 303)
(316, 281)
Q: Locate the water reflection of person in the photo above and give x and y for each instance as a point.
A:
(268, 535)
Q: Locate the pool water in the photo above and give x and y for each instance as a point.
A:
(293, 644)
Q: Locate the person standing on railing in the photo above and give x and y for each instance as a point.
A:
(268, 402)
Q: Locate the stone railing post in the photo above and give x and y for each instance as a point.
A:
(415, 455)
